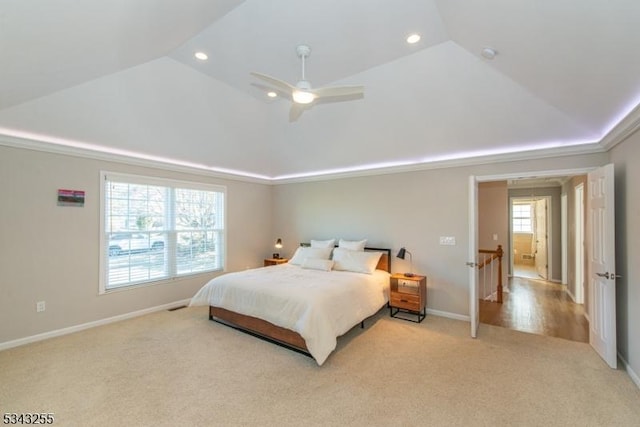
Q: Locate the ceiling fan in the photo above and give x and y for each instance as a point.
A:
(303, 95)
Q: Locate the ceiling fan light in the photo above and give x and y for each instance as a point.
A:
(303, 97)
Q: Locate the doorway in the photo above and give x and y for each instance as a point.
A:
(537, 301)
(530, 227)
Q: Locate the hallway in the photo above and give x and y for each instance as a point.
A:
(538, 307)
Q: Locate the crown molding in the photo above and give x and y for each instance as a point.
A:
(574, 150)
(202, 170)
(164, 164)
(623, 130)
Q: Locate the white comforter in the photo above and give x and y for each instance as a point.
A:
(319, 305)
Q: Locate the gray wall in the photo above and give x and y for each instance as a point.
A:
(626, 157)
(411, 209)
(51, 253)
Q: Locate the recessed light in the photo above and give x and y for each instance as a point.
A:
(489, 53)
(272, 94)
(413, 38)
(201, 56)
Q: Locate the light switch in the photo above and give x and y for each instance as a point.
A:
(447, 240)
(495, 237)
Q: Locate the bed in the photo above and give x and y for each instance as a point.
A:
(304, 305)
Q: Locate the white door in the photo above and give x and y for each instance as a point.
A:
(474, 306)
(541, 238)
(601, 256)
(579, 243)
(564, 223)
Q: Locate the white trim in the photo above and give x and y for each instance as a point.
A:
(474, 305)
(77, 328)
(536, 174)
(448, 315)
(580, 234)
(441, 164)
(130, 159)
(623, 130)
(564, 235)
(632, 374)
(138, 159)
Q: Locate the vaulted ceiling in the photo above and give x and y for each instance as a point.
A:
(120, 76)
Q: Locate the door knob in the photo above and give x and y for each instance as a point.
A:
(611, 276)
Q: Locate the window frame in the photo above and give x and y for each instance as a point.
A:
(173, 275)
(530, 217)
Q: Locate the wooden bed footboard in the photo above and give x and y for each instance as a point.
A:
(260, 328)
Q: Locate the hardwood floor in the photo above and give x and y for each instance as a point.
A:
(538, 307)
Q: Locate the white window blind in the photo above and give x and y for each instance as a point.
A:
(522, 221)
(157, 229)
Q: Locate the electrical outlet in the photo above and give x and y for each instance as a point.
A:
(40, 306)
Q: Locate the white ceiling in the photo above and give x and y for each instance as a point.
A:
(120, 75)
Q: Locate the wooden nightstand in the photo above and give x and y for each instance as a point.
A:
(275, 261)
(408, 295)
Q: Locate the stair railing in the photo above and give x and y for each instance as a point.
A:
(490, 266)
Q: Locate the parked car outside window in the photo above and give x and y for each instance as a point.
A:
(122, 243)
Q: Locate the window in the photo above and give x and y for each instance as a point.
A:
(156, 229)
(521, 216)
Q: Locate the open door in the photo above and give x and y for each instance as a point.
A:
(474, 306)
(601, 263)
(541, 236)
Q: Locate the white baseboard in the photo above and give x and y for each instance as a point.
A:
(632, 374)
(58, 332)
(449, 315)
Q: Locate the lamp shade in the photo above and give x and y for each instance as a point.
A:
(402, 253)
(279, 243)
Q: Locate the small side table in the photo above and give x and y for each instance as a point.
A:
(275, 261)
(408, 294)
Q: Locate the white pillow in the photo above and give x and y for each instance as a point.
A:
(323, 243)
(354, 245)
(356, 261)
(304, 252)
(317, 264)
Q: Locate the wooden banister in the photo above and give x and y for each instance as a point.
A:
(495, 254)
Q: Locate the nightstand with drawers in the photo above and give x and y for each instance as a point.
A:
(275, 261)
(408, 296)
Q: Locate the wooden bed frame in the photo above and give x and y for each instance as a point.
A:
(273, 333)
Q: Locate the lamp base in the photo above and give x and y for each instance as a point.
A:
(409, 274)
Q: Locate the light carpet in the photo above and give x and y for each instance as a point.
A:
(179, 368)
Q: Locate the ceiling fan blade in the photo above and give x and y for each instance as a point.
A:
(296, 111)
(284, 86)
(337, 91)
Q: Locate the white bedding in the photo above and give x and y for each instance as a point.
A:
(319, 305)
